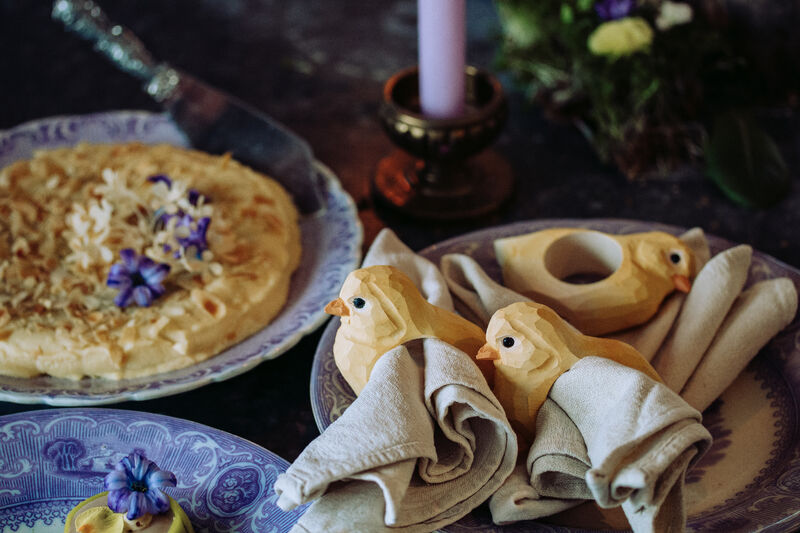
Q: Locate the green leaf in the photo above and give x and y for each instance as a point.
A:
(567, 14)
(646, 94)
(745, 162)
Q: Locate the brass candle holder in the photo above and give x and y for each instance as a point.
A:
(442, 170)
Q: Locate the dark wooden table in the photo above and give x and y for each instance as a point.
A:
(319, 67)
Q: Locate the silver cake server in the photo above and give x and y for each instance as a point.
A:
(212, 120)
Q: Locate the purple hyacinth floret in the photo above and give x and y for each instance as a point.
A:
(197, 230)
(614, 9)
(194, 196)
(197, 236)
(162, 218)
(134, 487)
(138, 278)
(163, 178)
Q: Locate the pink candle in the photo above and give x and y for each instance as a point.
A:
(442, 57)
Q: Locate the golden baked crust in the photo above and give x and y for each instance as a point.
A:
(66, 215)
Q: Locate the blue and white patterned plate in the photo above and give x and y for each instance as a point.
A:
(52, 459)
(331, 249)
(750, 478)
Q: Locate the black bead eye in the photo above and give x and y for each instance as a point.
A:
(508, 342)
(359, 303)
(675, 257)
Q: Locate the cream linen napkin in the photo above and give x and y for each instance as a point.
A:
(746, 324)
(720, 328)
(608, 433)
(640, 439)
(425, 441)
(713, 292)
(481, 295)
(423, 444)
(553, 477)
(757, 315)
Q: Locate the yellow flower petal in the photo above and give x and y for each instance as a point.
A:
(621, 37)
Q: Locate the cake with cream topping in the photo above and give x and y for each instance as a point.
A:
(128, 260)
(134, 501)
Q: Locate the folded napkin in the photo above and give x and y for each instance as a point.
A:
(700, 342)
(416, 460)
(422, 445)
(756, 316)
(720, 327)
(640, 438)
(551, 480)
(713, 292)
(480, 295)
(611, 434)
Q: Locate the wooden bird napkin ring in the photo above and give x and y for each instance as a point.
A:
(599, 282)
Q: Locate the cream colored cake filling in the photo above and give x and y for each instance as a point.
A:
(65, 216)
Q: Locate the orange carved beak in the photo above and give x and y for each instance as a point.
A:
(487, 352)
(337, 307)
(682, 283)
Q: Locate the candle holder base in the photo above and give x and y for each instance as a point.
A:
(443, 170)
(479, 186)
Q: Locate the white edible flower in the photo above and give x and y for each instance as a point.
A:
(87, 229)
(673, 14)
(100, 213)
(117, 190)
(176, 194)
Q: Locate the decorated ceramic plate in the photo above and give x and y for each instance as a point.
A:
(750, 478)
(331, 249)
(52, 459)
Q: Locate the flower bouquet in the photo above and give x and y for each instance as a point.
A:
(653, 85)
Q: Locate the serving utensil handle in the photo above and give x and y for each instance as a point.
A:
(120, 45)
(116, 42)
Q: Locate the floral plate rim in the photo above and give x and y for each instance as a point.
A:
(332, 247)
(48, 468)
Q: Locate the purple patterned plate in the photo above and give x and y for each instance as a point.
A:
(750, 478)
(331, 249)
(52, 459)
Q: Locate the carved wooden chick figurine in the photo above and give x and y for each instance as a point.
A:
(381, 308)
(531, 346)
(640, 270)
